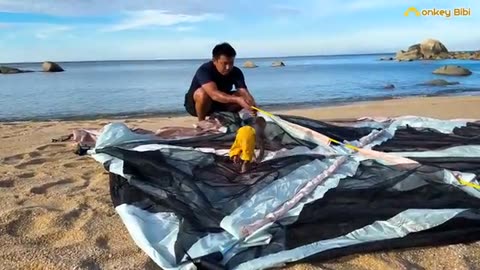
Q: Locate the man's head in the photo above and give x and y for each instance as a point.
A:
(224, 58)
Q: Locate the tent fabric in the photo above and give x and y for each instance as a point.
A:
(188, 207)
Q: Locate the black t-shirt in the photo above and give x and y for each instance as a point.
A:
(208, 73)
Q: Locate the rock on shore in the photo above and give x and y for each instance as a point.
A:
(432, 49)
(452, 71)
(249, 64)
(10, 70)
(51, 67)
(278, 64)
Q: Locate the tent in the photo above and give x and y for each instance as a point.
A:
(324, 190)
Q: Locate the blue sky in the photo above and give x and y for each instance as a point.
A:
(68, 30)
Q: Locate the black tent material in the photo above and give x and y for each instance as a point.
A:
(183, 201)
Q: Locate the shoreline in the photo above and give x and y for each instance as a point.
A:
(448, 93)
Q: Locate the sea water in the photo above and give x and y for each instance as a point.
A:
(122, 88)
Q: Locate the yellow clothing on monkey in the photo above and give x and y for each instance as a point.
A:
(244, 145)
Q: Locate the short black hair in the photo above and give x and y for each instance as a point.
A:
(223, 49)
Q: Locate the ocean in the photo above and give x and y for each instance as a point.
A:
(157, 87)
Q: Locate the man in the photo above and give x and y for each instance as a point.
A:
(211, 87)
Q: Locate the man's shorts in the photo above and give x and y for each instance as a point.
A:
(216, 106)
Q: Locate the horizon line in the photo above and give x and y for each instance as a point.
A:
(206, 58)
(192, 59)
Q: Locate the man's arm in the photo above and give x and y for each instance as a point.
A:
(217, 95)
(242, 88)
(248, 97)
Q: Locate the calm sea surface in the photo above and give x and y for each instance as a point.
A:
(120, 88)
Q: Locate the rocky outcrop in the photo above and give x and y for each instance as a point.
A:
(10, 70)
(427, 49)
(475, 56)
(466, 55)
(278, 64)
(408, 55)
(249, 64)
(432, 49)
(51, 67)
(451, 70)
(439, 82)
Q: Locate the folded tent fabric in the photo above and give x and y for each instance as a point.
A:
(178, 196)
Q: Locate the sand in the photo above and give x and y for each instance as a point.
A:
(56, 213)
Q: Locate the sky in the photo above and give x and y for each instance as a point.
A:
(80, 30)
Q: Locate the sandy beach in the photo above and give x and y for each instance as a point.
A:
(56, 213)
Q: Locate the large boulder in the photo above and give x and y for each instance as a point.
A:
(10, 70)
(439, 82)
(51, 67)
(451, 70)
(249, 64)
(432, 49)
(278, 64)
(427, 49)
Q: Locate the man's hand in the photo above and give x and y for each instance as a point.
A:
(247, 96)
(251, 100)
(244, 104)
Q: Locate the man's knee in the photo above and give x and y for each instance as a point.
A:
(201, 96)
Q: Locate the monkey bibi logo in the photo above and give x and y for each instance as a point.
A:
(412, 9)
(438, 12)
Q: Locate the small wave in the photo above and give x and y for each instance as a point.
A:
(455, 90)
(267, 106)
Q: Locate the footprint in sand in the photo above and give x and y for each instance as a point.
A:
(71, 216)
(15, 159)
(43, 188)
(89, 264)
(11, 160)
(86, 176)
(26, 175)
(34, 154)
(31, 162)
(102, 242)
(21, 220)
(408, 264)
(7, 183)
(71, 165)
(51, 145)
